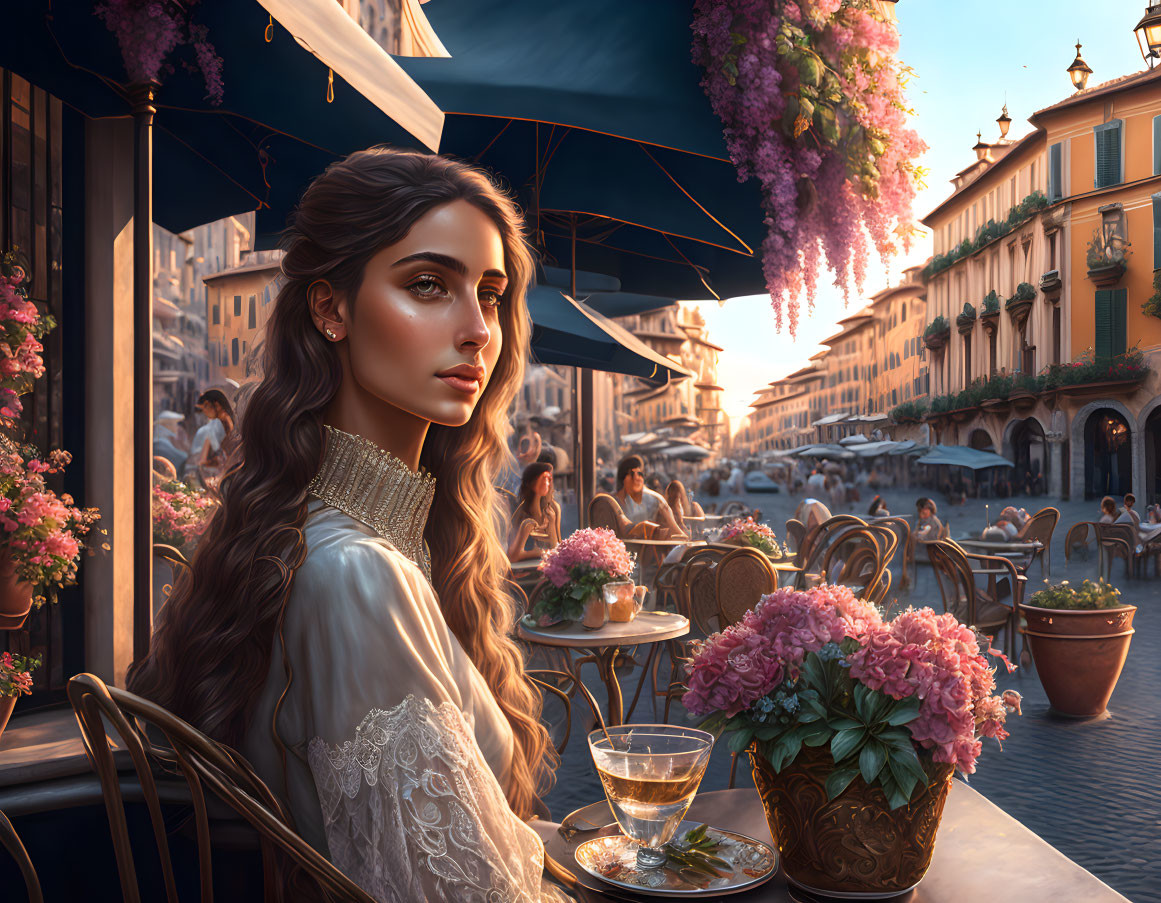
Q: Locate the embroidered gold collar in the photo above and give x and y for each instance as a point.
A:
(374, 487)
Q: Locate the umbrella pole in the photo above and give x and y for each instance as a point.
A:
(143, 112)
(584, 426)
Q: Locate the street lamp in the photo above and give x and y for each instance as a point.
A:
(1148, 32)
(981, 149)
(1005, 123)
(886, 10)
(1079, 71)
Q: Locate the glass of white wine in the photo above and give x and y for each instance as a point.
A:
(650, 773)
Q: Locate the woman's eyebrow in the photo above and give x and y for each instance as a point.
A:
(444, 260)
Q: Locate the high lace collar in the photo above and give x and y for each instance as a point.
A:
(374, 487)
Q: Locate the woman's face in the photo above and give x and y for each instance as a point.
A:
(925, 513)
(634, 481)
(543, 485)
(424, 332)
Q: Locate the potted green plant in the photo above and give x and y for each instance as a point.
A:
(1079, 639)
(15, 681)
(966, 320)
(1106, 260)
(840, 714)
(936, 334)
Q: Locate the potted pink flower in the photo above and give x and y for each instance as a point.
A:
(849, 720)
(22, 326)
(41, 533)
(181, 514)
(15, 681)
(745, 531)
(577, 570)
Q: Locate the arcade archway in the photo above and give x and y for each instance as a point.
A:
(1108, 454)
(1029, 453)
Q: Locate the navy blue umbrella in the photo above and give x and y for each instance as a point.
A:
(602, 293)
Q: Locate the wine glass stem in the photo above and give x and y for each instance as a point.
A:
(650, 859)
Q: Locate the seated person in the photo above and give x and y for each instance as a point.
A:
(811, 512)
(1153, 514)
(646, 512)
(878, 508)
(929, 526)
(1012, 521)
(1128, 515)
(1108, 510)
(537, 516)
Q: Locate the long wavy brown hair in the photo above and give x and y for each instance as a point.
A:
(211, 653)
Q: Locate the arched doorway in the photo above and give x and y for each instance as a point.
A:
(1153, 457)
(1108, 454)
(981, 441)
(1030, 456)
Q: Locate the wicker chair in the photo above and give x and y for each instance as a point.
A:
(956, 572)
(11, 841)
(605, 511)
(1077, 537)
(1040, 527)
(191, 755)
(813, 549)
(741, 579)
(1117, 541)
(795, 533)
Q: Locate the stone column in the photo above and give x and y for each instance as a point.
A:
(1056, 474)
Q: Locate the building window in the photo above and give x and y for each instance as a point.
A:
(1157, 231)
(237, 305)
(1056, 172)
(234, 351)
(1111, 338)
(217, 318)
(1109, 154)
(251, 321)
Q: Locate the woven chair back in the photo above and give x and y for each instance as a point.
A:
(605, 511)
(204, 764)
(741, 579)
(697, 592)
(953, 574)
(813, 550)
(795, 533)
(1078, 536)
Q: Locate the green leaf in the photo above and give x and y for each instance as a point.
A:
(863, 702)
(839, 780)
(767, 731)
(842, 724)
(809, 69)
(871, 760)
(846, 742)
(820, 736)
(895, 795)
(739, 740)
(809, 716)
(905, 711)
(903, 777)
(812, 671)
(910, 761)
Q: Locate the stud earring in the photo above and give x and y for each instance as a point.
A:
(331, 334)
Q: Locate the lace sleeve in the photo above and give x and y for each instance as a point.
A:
(412, 812)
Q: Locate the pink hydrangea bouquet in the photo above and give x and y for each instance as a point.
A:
(16, 674)
(578, 567)
(22, 326)
(747, 531)
(181, 514)
(822, 668)
(42, 531)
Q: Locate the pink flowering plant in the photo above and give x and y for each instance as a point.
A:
(42, 531)
(181, 514)
(16, 674)
(578, 567)
(747, 531)
(22, 326)
(810, 95)
(823, 668)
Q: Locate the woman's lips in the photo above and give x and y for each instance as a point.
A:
(462, 384)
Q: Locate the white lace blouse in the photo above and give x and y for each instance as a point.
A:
(398, 752)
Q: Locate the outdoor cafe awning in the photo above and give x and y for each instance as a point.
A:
(831, 419)
(959, 456)
(572, 334)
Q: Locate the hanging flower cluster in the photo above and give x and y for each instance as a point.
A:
(21, 327)
(148, 31)
(811, 97)
(16, 674)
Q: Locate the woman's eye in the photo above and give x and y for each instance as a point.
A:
(426, 287)
(490, 298)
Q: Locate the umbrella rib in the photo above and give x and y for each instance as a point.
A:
(695, 201)
(700, 277)
(712, 244)
(212, 164)
(495, 138)
(636, 253)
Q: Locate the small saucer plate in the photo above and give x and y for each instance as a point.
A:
(613, 859)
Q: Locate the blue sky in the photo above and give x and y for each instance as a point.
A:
(969, 55)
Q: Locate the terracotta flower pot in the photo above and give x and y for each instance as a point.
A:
(15, 596)
(855, 846)
(596, 613)
(1079, 654)
(7, 704)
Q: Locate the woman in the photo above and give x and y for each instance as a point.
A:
(878, 508)
(215, 440)
(537, 516)
(353, 645)
(646, 511)
(1108, 510)
(680, 504)
(929, 527)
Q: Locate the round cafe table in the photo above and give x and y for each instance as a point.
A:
(604, 644)
(981, 853)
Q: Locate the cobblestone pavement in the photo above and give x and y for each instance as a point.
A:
(1088, 788)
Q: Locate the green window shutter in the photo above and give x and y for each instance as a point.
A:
(1120, 305)
(1157, 231)
(1108, 154)
(1157, 145)
(1056, 171)
(1103, 342)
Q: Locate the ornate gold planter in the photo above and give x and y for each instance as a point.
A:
(855, 846)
